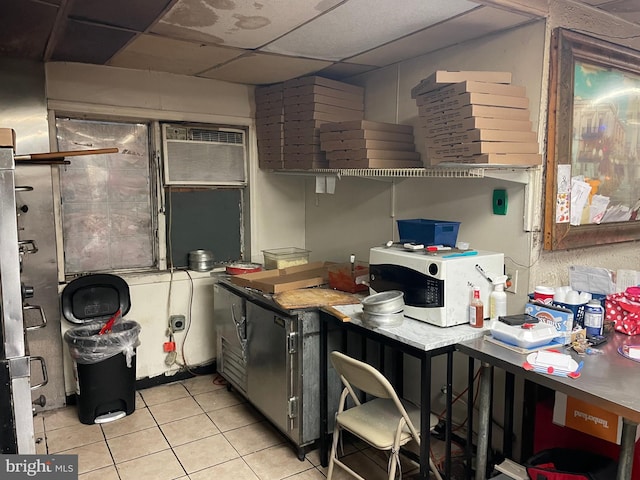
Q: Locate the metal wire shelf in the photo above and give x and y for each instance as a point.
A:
(514, 173)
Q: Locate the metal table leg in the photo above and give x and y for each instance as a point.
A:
(627, 445)
(470, 398)
(425, 417)
(484, 419)
(507, 438)
(449, 415)
(324, 397)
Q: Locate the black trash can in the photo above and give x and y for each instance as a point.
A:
(104, 364)
(105, 370)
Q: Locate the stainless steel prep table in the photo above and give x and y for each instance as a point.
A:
(609, 381)
(418, 339)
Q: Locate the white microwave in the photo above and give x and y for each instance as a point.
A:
(437, 288)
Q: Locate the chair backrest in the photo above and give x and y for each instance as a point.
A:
(362, 376)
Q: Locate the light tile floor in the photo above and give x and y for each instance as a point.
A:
(192, 429)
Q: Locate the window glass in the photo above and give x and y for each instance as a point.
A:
(107, 220)
(204, 219)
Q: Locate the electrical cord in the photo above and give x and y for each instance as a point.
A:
(185, 364)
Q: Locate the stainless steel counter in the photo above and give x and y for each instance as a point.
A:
(609, 381)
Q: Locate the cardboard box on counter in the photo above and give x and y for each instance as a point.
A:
(274, 281)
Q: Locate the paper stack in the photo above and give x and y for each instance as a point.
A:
(368, 144)
(310, 102)
(269, 126)
(475, 117)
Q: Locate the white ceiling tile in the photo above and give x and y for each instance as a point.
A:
(238, 23)
(260, 69)
(359, 25)
(474, 24)
(152, 52)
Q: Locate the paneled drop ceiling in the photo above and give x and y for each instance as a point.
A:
(256, 41)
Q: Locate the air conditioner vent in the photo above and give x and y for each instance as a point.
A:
(203, 156)
(219, 136)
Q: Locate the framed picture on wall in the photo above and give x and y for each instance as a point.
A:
(592, 185)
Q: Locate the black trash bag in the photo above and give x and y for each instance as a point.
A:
(568, 464)
(87, 346)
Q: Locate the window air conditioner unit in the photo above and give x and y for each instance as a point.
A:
(203, 156)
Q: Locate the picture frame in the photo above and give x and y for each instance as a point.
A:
(592, 192)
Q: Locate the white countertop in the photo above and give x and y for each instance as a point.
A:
(418, 334)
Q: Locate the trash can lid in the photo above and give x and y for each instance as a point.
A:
(95, 297)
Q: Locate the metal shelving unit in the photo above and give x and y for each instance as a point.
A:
(512, 173)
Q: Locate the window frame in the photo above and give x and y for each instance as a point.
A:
(158, 188)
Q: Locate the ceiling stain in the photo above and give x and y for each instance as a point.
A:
(185, 33)
(194, 14)
(222, 4)
(252, 22)
(258, 6)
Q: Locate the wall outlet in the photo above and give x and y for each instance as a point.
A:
(177, 322)
(512, 274)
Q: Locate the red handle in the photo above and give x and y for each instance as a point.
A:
(107, 326)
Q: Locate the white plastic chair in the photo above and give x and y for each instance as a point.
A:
(385, 422)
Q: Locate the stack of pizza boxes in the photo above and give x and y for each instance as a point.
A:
(310, 102)
(475, 117)
(270, 126)
(368, 144)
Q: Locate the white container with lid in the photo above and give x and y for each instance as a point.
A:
(285, 257)
(536, 336)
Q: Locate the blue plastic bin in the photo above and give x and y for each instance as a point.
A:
(428, 232)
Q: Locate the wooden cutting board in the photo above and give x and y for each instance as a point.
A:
(314, 297)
